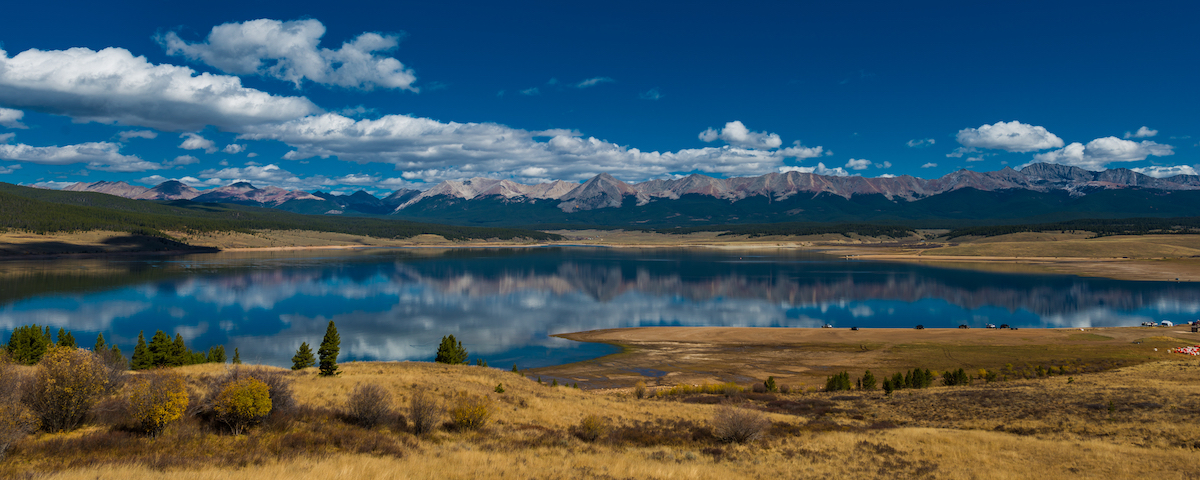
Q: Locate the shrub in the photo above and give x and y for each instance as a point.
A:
(451, 351)
(738, 425)
(591, 428)
(66, 383)
(499, 388)
(157, 399)
(470, 412)
(278, 384)
(16, 420)
(243, 403)
(369, 405)
(424, 412)
(639, 389)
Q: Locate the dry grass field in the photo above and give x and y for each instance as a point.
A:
(1133, 422)
(805, 357)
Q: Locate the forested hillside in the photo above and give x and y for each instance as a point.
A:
(49, 211)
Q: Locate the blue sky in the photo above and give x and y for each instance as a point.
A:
(341, 96)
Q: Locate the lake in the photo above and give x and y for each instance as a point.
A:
(503, 303)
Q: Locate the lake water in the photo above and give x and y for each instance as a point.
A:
(396, 304)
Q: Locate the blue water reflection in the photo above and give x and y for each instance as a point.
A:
(504, 303)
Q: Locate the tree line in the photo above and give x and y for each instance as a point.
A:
(50, 211)
(1098, 227)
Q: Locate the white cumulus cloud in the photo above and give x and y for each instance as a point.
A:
(1012, 136)
(425, 149)
(820, 169)
(5, 137)
(113, 86)
(128, 134)
(1166, 171)
(288, 51)
(182, 160)
(929, 165)
(194, 141)
(234, 148)
(920, 142)
(1144, 132)
(8, 169)
(11, 118)
(1102, 151)
(860, 164)
(103, 156)
(736, 134)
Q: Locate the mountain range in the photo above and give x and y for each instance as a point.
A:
(1037, 192)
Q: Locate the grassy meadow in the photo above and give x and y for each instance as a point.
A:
(1132, 422)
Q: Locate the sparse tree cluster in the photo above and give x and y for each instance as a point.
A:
(162, 351)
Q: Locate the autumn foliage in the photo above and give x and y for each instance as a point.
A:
(157, 399)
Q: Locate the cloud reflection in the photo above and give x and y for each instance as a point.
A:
(503, 304)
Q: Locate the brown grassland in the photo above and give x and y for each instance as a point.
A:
(1136, 421)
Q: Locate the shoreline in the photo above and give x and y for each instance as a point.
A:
(1177, 264)
(667, 356)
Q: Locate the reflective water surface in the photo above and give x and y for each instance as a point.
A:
(396, 304)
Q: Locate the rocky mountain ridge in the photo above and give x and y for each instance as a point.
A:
(605, 191)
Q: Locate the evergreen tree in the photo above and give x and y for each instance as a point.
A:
(303, 358)
(27, 344)
(770, 385)
(868, 381)
(237, 357)
(216, 354)
(65, 339)
(160, 350)
(115, 358)
(180, 354)
(330, 346)
(887, 387)
(514, 370)
(451, 352)
(141, 354)
(100, 346)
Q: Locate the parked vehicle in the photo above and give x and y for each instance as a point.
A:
(1003, 326)
(964, 327)
(919, 327)
(991, 325)
(1167, 323)
(854, 329)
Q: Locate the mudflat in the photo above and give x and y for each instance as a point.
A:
(805, 357)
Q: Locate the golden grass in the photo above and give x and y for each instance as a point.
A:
(1075, 245)
(1044, 428)
(805, 357)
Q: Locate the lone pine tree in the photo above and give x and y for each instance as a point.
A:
(303, 358)
(451, 351)
(328, 352)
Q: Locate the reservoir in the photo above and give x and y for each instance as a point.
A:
(504, 303)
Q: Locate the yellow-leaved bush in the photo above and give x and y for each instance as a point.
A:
(470, 411)
(242, 403)
(157, 399)
(66, 383)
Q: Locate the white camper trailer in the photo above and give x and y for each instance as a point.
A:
(1166, 323)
